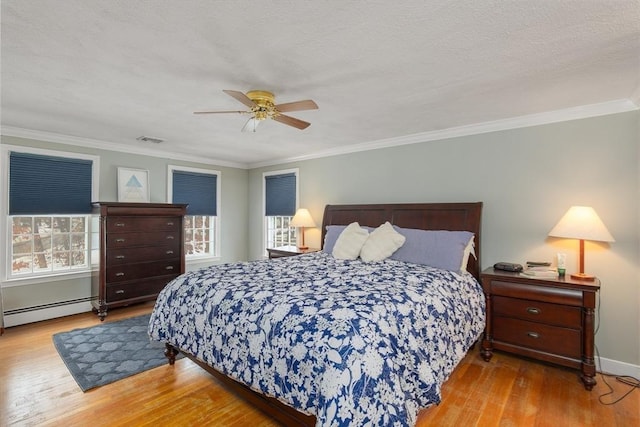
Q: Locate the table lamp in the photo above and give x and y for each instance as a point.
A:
(583, 223)
(302, 219)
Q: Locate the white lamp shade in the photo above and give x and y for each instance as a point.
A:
(302, 218)
(582, 222)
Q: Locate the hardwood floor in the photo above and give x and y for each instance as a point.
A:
(37, 389)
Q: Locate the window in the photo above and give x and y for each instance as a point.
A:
(278, 232)
(49, 212)
(280, 202)
(48, 244)
(200, 189)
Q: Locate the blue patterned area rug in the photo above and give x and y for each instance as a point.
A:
(108, 352)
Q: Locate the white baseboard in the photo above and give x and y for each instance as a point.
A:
(615, 367)
(15, 319)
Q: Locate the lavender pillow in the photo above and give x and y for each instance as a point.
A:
(436, 248)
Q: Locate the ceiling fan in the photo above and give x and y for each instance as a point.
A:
(262, 106)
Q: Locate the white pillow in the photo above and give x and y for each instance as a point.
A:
(470, 249)
(350, 242)
(382, 243)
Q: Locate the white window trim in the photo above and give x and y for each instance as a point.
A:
(170, 169)
(49, 278)
(295, 171)
(5, 266)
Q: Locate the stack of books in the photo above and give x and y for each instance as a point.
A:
(539, 269)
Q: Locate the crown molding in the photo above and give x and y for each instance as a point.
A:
(567, 114)
(548, 117)
(112, 146)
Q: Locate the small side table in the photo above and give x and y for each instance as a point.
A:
(549, 319)
(283, 251)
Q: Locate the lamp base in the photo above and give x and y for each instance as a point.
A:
(303, 247)
(583, 276)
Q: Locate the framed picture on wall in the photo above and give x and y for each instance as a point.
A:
(133, 185)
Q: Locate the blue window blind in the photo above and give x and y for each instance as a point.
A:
(280, 195)
(48, 185)
(198, 190)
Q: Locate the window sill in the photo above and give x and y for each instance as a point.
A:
(55, 277)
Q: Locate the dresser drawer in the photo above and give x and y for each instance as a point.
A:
(125, 272)
(118, 224)
(536, 311)
(130, 240)
(137, 289)
(146, 253)
(550, 339)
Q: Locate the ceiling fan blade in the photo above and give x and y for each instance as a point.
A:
(251, 125)
(240, 97)
(220, 112)
(291, 121)
(297, 106)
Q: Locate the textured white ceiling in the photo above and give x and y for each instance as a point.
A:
(113, 70)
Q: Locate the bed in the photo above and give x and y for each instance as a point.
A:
(315, 340)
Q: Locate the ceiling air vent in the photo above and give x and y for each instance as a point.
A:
(150, 139)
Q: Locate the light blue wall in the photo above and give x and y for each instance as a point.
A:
(527, 179)
(233, 215)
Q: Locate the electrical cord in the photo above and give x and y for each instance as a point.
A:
(633, 382)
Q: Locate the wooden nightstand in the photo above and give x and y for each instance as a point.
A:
(546, 319)
(283, 251)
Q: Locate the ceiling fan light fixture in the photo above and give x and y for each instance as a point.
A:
(261, 114)
(262, 106)
(264, 101)
(251, 125)
(262, 98)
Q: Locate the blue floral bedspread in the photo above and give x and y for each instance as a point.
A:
(352, 343)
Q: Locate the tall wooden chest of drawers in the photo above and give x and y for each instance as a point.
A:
(141, 250)
(550, 319)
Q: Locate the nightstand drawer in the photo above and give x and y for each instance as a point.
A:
(278, 254)
(539, 292)
(536, 311)
(551, 339)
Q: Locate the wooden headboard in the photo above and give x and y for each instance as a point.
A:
(424, 216)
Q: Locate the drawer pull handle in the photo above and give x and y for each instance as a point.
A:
(169, 267)
(533, 310)
(169, 237)
(170, 223)
(120, 240)
(533, 335)
(119, 274)
(119, 256)
(119, 291)
(169, 252)
(119, 224)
